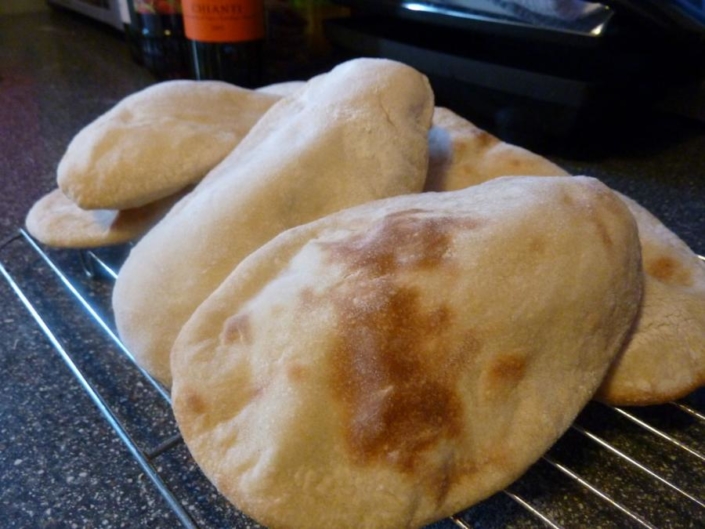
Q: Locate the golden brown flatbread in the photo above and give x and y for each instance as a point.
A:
(394, 363)
(157, 141)
(665, 357)
(355, 134)
(56, 221)
(461, 154)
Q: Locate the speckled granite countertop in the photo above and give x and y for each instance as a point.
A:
(60, 463)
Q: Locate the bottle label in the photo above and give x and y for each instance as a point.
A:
(223, 20)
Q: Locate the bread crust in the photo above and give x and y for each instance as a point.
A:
(157, 141)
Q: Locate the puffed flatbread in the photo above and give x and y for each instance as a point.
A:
(355, 134)
(157, 141)
(56, 221)
(394, 363)
(462, 154)
(665, 357)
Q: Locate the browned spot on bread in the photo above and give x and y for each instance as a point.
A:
(237, 328)
(296, 372)
(514, 163)
(403, 240)
(396, 386)
(508, 368)
(537, 245)
(483, 139)
(394, 376)
(668, 270)
(602, 231)
(502, 375)
(193, 403)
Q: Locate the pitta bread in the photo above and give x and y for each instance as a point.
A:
(665, 357)
(355, 134)
(157, 141)
(394, 363)
(461, 154)
(56, 221)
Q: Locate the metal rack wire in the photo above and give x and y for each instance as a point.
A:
(615, 467)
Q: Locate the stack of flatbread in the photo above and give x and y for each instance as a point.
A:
(354, 135)
(371, 313)
(123, 172)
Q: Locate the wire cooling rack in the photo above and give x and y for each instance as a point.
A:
(614, 468)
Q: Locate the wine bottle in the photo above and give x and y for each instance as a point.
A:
(226, 40)
(164, 47)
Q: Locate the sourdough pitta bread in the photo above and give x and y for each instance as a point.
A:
(355, 134)
(461, 155)
(665, 356)
(56, 221)
(157, 141)
(394, 363)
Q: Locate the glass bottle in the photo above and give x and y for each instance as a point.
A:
(163, 44)
(226, 40)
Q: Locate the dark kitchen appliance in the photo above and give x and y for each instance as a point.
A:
(534, 68)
